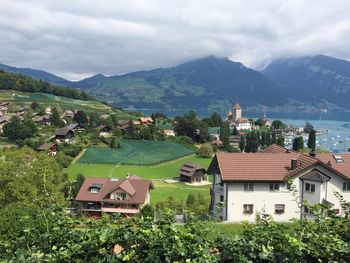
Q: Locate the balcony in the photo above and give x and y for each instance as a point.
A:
(120, 210)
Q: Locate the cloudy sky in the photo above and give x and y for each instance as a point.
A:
(76, 39)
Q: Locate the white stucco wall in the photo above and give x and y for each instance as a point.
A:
(263, 200)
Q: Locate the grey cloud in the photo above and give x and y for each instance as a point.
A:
(75, 39)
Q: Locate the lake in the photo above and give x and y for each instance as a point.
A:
(337, 124)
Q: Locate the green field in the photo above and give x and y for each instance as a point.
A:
(136, 152)
(162, 171)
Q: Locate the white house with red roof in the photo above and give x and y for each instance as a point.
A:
(247, 184)
(235, 118)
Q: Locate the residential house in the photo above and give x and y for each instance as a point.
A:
(104, 195)
(64, 133)
(192, 173)
(76, 127)
(43, 120)
(123, 125)
(169, 132)
(69, 114)
(103, 130)
(145, 120)
(51, 148)
(248, 184)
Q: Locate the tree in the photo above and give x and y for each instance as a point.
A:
(55, 118)
(308, 127)
(93, 119)
(311, 143)
(234, 131)
(260, 122)
(34, 106)
(206, 150)
(298, 143)
(280, 141)
(242, 143)
(80, 117)
(273, 138)
(113, 144)
(16, 130)
(35, 182)
(277, 125)
(216, 119)
(225, 134)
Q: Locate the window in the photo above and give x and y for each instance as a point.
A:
(248, 209)
(346, 186)
(248, 187)
(279, 208)
(310, 187)
(274, 186)
(120, 196)
(94, 190)
(221, 198)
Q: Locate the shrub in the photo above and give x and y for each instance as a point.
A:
(206, 150)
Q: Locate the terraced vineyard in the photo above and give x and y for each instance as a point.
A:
(25, 98)
(136, 152)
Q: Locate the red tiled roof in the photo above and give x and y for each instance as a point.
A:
(137, 188)
(274, 164)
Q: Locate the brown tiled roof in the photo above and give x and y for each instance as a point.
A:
(274, 164)
(188, 169)
(274, 148)
(45, 146)
(137, 188)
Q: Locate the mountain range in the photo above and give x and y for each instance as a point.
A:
(213, 83)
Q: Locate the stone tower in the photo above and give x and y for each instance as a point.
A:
(237, 112)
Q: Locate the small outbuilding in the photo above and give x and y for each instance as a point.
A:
(192, 173)
(64, 133)
(103, 130)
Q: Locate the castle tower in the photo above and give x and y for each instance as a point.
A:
(237, 112)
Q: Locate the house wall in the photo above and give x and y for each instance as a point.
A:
(263, 201)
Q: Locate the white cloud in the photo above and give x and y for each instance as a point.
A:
(77, 38)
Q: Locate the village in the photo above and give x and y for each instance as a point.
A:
(227, 182)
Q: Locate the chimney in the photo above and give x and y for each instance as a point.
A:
(293, 164)
(313, 153)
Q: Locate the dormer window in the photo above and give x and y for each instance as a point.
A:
(95, 188)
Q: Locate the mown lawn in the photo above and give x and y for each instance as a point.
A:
(165, 170)
(179, 191)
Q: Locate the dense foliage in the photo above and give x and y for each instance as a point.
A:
(18, 82)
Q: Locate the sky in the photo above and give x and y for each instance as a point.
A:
(80, 38)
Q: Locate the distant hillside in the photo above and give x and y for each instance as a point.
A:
(208, 83)
(37, 74)
(313, 79)
(19, 82)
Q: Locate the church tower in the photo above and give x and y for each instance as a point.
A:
(237, 112)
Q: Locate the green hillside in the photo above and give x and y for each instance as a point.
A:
(26, 98)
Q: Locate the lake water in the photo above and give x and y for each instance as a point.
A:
(337, 123)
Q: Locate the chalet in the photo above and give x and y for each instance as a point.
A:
(103, 130)
(192, 173)
(145, 120)
(76, 127)
(169, 132)
(246, 185)
(104, 195)
(123, 125)
(64, 133)
(51, 148)
(69, 114)
(43, 120)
